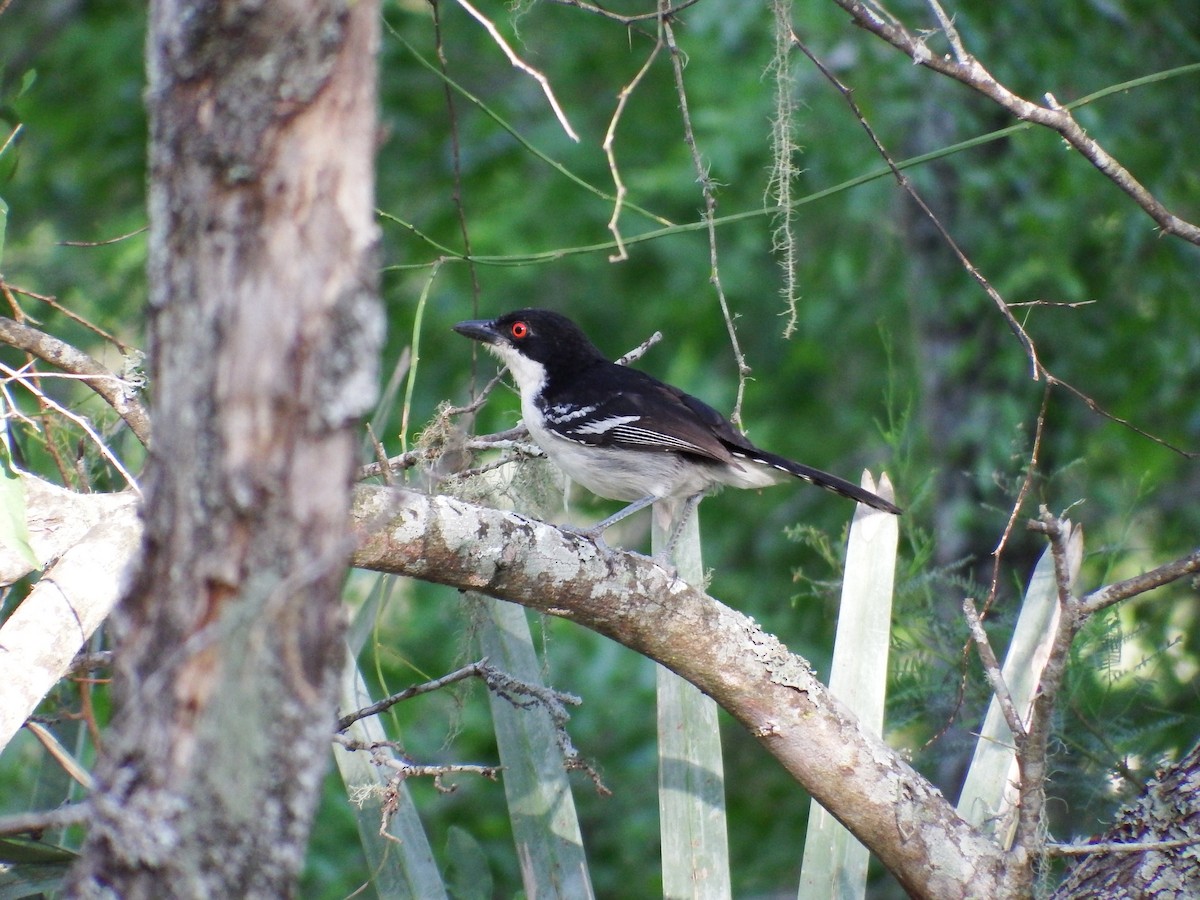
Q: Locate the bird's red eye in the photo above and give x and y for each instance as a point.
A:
(519, 330)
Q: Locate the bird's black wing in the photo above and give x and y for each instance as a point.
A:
(740, 447)
(639, 412)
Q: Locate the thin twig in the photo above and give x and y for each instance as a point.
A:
(1120, 847)
(456, 162)
(405, 768)
(966, 69)
(611, 133)
(106, 241)
(53, 303)
(60, 754)
(381, 459)
(1113, 417)
(710, 211)
(118, 393)
(991, 669)
(640, 350)
(12, 135)
(517, 136)
(479, 669)
(1038, 370)
(25, 379)
(522, 65)
(627, 20)
(47, 820)
(479, 398)
(947, 24)
(1139, 584)
(1052, 304)
(902, 179)
(1026, 486)
(505, 440)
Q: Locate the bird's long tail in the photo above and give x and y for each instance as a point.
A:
(823, 479)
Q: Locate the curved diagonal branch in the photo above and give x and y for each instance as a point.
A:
(964, 68)
(869, 787)
(112, 389)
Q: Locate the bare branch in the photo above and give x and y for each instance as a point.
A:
(966, 69)
(26, 379)
(522, 65)
(707, 187)
(381, 459)
(902, 179)
(405, 768)
(504, 440)
(1026, 487)
(774, 694)
(1139, 584)
(106, 241)
(951, 32)
(1038, 370)
(627, 20)
(991, 669)
(52, 302)
(1033, 762)
(1119, 847)
(47, 820)
(640, 350)
(456, 155)
(611, 133)
(473, 670)
(117, 392)
(1052, 304)
(1112, 417)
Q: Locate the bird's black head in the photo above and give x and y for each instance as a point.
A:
(539, 335)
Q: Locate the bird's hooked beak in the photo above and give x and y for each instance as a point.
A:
(483, 330)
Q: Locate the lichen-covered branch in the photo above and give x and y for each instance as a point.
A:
(774, 694)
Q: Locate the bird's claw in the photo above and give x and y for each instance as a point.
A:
(595, 534)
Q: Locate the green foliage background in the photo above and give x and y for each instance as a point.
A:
(899, 361)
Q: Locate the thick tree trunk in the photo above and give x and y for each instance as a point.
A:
(1168, 811)
(264, 333)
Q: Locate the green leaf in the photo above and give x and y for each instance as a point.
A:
(27, 81)
(469, 876)
(835, 863)
(691, 771)
(3, 228)
(14, 530)
(541, 807)
(401, 861)
(989, 791)
(23, 851)
(31, 868)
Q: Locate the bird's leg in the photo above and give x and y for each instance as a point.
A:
(597, 530)
(681, 515)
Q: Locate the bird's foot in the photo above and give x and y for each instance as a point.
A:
(595, 534)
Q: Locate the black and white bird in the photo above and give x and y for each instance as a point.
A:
(625, 435)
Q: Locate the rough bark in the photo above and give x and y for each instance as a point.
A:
(775, 695)
(82, 545)
(867, 786)
(1167, 811)
(264, 333)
